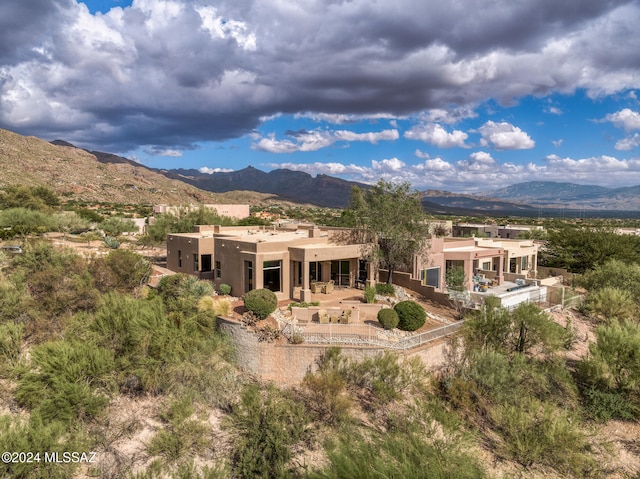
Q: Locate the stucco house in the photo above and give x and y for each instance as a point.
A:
(494, 259)
(286, 261)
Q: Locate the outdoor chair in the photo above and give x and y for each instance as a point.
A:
(328, 288)
(323, 316)
(314, 287)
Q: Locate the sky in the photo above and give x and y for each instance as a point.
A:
(464, 95)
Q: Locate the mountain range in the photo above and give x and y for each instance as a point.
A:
(98, 176)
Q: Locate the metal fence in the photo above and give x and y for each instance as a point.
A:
(365, 335)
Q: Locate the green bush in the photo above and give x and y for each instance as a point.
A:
(182, 436)
(388, 318)
(261, 302)
(397, 455)
(411, 315)
(369, 294)
(385, 289)
(266, 425)
(63, 381)
(38, 435)
(224, 289)
(535, 432)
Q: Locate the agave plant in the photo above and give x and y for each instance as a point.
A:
(111, 242)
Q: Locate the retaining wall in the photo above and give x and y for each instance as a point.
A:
(285, 363)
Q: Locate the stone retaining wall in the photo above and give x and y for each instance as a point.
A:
(285, 363)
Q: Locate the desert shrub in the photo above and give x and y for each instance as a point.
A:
(608, 302)
(401, 455)
(266, 424)
(217, 306)
(182, 436)
(411, 315)
(37, 435)
(388, 318)
(325, 390)
(606, 405)
(180, 292)
(369, 294)
(261, 302)
(10, 343)
(63, 381)
(123, 270)
(385, 377)
(224, 289)
(14, 300)
(613, 369)
(535, 432)
(385, 289)
(147, 342)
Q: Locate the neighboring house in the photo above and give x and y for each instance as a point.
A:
(232, 211)
(285, 261)
(503, 268)
(499, 260)
(448, 253)
(463, 230)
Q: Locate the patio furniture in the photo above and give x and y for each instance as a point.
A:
(345, 318)
(313, 287)
(328, 288)
(323, 316)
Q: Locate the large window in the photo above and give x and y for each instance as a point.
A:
(218, 269)
(315, 271)
(523, 263)
(272, 274)
(195, 262)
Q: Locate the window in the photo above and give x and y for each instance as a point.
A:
(523, 263)
(195, 262)
(205, 262)
(179, 259)
(431, 277)
(271, 275)
(486, 265)
(218, 269)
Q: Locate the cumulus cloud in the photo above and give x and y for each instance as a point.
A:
(371, 137)
(628, 143)
(626, 118)
(505, 136)
(171, 73)
(304, 140)
(436, 135)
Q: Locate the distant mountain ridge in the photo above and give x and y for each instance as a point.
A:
(321, 190)
(570, 195)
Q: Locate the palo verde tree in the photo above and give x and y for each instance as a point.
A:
(389, 216)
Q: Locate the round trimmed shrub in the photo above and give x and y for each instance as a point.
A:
(388, 318)
(261, 302)
(224, 289)
(411, 315)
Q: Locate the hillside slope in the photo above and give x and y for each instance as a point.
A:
(76, 174)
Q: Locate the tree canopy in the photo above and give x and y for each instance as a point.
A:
(390, 216)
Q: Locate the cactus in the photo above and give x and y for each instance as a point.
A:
(111, 242)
